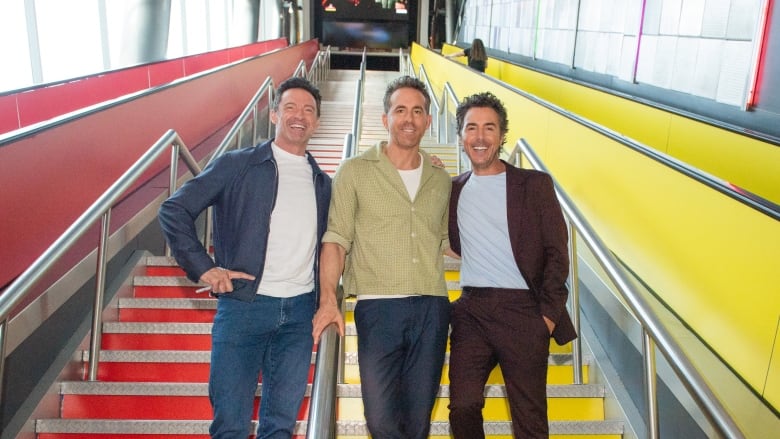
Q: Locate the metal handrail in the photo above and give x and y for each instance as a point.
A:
(234, 137)
(436, 110)
(653, 331)
(100, 209)
(448, 98)
(441, 115)
(327, 374)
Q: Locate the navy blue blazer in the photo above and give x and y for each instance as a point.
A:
(241, 185)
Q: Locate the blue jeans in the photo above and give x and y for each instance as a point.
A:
(401, 347)
(271, 336)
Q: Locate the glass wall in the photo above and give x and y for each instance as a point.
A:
(44, 41)
(706, 48)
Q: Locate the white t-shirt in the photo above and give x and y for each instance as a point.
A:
(485, 248)
(292, 239)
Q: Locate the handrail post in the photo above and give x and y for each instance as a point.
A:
(270, 93)
(651, 391)
(97, 306)
(172, 180)
(254, 125)
(574, 285)
(3, 338)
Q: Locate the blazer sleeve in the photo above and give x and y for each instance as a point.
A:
(178, 213)
(555, 240)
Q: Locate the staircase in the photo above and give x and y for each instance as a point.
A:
(575, 411)
(154, 360)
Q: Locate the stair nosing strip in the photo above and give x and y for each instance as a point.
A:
(168, 303)
(343, 427)
(157, 356)
(157, 328)
(163, 281)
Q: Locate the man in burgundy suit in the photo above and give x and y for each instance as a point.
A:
(506, 224)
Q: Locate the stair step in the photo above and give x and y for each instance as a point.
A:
(194, 428)
(157, 365)
(167, 310)
(116, 429)
(143, 400)
(156, 336)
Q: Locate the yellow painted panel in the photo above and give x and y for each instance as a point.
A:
(556, 374)
(554, 436)
(772, 389)
(496, 409)
(737, 159)
(708, 256)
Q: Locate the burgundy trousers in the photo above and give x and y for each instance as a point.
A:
(493, 326)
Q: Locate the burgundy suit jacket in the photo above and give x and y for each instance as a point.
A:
(539, 239)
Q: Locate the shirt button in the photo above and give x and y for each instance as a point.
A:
(415, 260)
(413, 234)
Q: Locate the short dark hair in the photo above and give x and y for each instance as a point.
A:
(406, 82)
(483, 100)
(297, 82)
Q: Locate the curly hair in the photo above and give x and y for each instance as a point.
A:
(406, 82)
(483, 100)
(297, 82)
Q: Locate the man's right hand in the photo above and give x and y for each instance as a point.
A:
(219, 279)
(325, 315)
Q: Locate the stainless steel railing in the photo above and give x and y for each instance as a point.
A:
(322, 410)
(101, 209)
(654, 332)
(443, 112)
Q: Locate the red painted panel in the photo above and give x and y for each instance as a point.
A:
(81, 157)
(136, 407)
(156, 342)
(50, 101)
(197, 64)
(125, 436)
(166, 315)
(165, 72)
(143, 292)
(164, 271)
(154, 372)
(45, 103)
(9, 116)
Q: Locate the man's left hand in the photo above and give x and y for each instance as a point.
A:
(550, 324)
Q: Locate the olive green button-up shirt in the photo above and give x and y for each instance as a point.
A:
(394, 245)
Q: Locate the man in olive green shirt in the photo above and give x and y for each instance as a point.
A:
(387, 230)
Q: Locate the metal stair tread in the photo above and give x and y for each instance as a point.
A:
(555, 359)
(343, 428)
(156, 328)
(155, 356)
(143, 388)
(164, 281)
(167, 303)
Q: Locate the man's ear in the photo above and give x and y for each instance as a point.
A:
(274, 117)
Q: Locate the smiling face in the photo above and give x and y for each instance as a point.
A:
(296, 120)
(481, 137)
(407, 118)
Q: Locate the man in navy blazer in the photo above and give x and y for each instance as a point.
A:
(506, 224)
(270, 212)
